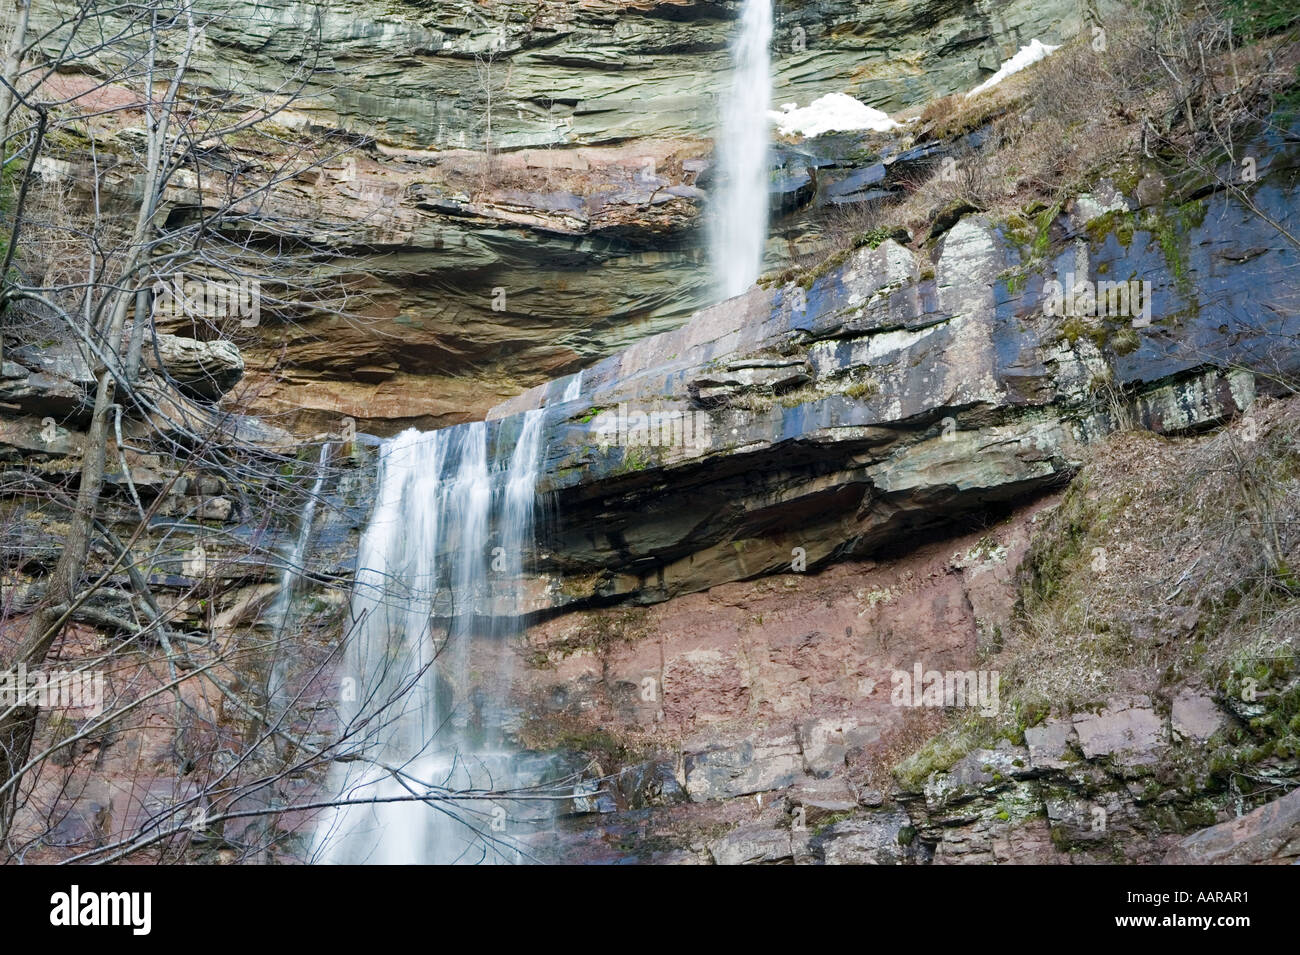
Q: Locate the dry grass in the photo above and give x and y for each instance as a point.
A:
(938, 115)
(1047, 130)
(841, 227)
(1083, 112)
(1168, 563)
(918, 726)
(1168, 560)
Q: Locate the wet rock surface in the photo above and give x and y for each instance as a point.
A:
(587, 215)
(869, 450)
(700, 455)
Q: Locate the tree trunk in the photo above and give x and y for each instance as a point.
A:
(18, 725)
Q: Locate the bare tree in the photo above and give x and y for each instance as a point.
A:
(492, 85)
(143, 254)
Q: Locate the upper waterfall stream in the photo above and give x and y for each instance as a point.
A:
(739, 230)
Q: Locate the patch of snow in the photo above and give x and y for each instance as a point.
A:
(1027, 56)
(834, 112)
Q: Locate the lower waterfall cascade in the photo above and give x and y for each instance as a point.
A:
(437, 569)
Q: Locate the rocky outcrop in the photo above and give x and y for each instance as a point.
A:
(466, 269)
(1111, 784)
(778, 698)
(798, 425)
(56, 379)
(416, 74)
(1269, 834)
(202, 369)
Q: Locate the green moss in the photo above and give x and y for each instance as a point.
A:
(1031, 713)
(1059, 552)
(1030, 230)
(1043, 232)
(637, 457)
(1018, 230)
(1117, 222)
(826, 822)
(1171, 246)
(1016, 280)
(1126, 177)
(872, 239)
(938, 754)
(828, 265)
(1172, 227)
(69, 140)
(1074, 328)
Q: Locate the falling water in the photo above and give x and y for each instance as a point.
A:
(293, 563)
(740, 218)
(573, 389)
(438, 566)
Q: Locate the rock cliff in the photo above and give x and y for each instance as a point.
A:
(1053, 452)
(516, 188)
(894, 392)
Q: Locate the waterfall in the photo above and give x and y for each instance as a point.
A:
(573, 389)
(293, 562)
(438, 567)
(739, 230)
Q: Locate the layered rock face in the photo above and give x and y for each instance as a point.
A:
(775, 715)
(516, 189)
(793, 426)
(782, 720)
(778, 496)
(756, 716)
(602, 72)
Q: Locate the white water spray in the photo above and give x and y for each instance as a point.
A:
(739, 231)
(437, 567)
(294, 560)
(573, 389)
